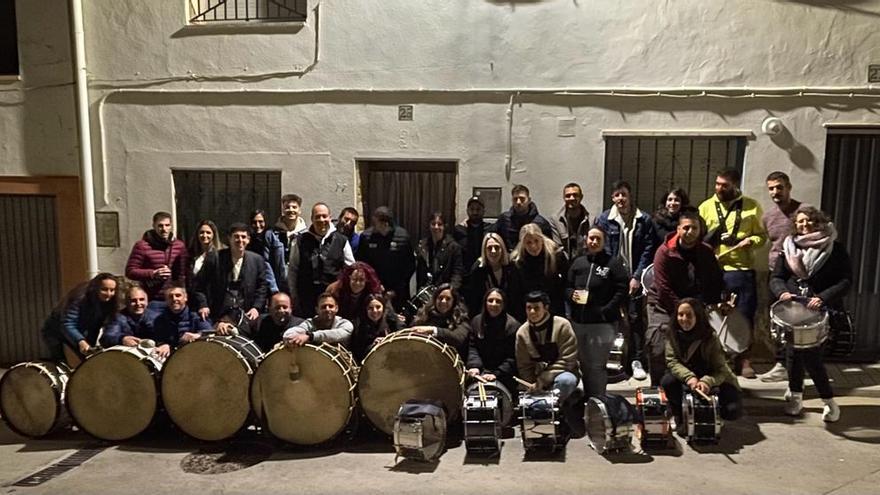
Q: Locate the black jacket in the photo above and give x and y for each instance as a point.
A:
(531, 273)
(392, 257)
(268, 333)
(214, 280)
(495, 351)
(509, 224)
(607, 281)
(831, 283)
(443, 261)
(482, 279)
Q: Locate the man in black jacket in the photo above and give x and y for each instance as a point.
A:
(469, 233)
(234, 281)
(522, 212)
(316, 258)
(388, 249)
(273, 325)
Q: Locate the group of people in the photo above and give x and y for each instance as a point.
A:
(528, 296)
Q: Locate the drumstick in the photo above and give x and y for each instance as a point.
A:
(703, 395)
(482, 389)
(725, 253)
(523, 382)
(480, 379)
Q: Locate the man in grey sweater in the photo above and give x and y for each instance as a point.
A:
(324, 327)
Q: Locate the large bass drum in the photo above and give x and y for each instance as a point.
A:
(32, 397)
(114, 394)
(407, 366)
(733, 330)
(206, 385)
(305, 395)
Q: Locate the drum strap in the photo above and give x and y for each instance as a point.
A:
(722, 218)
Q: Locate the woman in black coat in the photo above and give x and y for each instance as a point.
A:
(439, 256)
(493, 269)
(444, 318)
(597, 287)
(541, 266)
(492, 342)
(377, 321)
(816, 268)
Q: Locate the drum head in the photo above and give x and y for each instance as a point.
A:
(733, 330)
(407, 367)
(28, 402)
(302, 396)
(112, 395)
(205, 389)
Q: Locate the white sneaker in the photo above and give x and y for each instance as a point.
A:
(831, 411)
(795, 404)
(638, 371)
(787, 395)
(776, 374)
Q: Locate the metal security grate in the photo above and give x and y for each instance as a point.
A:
(64, 465)
(247, 10)
(225, 197)
(653, 165)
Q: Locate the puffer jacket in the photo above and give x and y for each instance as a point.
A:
(152, 252)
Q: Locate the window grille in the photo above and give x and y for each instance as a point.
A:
(653, 165)
(225, 197)
(205, 11)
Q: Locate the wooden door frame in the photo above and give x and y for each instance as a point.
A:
(69, 215)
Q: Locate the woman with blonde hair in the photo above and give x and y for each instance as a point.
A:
(493, 270)
(541, 266)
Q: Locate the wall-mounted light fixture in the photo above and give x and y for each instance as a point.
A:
(772, 126)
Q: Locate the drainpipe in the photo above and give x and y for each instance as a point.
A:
(87, 182)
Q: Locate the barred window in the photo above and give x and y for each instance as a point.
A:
(206, 11)
(653, 165)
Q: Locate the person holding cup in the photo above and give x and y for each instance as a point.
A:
(597, 287)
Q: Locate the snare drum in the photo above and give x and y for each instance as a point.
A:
(541, 420)
(32, 397)
(793, 323)
(422, 297)
(653, 425)
(404, 366)
(733, 330)
(420, 430)
(206, 385)
(114, 394)
(305, 395)
(609, 420)
(487, 408)
(702, 418)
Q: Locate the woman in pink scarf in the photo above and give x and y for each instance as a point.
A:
(817, 267)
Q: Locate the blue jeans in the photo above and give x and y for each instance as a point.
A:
(594, 345)
(566, 383)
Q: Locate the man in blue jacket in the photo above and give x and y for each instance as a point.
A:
(177, 324)
(630, 237)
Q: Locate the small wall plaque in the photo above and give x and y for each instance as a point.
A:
(107, 225)
(405, 112)
(874, 73)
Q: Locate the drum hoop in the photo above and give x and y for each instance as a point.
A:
(350, 372)
(59, 394)
(246, 364)
(138, 353)
(446, 349)
(784, 324)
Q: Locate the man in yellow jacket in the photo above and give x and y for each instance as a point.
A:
(733, 223)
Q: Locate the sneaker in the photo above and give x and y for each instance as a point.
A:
(776, 374)
(831, 411)
(638, 371)
(787, 395)
(795, 404)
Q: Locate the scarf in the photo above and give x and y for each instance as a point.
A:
(806, 254)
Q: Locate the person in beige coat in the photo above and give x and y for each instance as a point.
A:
(546, 349)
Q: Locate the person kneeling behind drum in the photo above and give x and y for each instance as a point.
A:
(492, 341)
(177, 324)
(133, 323)
(324, 327)
(695, 358)
(547, 353)
(813, 265)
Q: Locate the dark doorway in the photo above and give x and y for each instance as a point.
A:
(851, 195)
(225, 197)
(412, 190)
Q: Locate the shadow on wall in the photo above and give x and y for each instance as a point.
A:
(799, 154)
(843, 5)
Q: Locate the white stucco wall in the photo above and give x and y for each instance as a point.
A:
(458, 62)
(37, 119)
